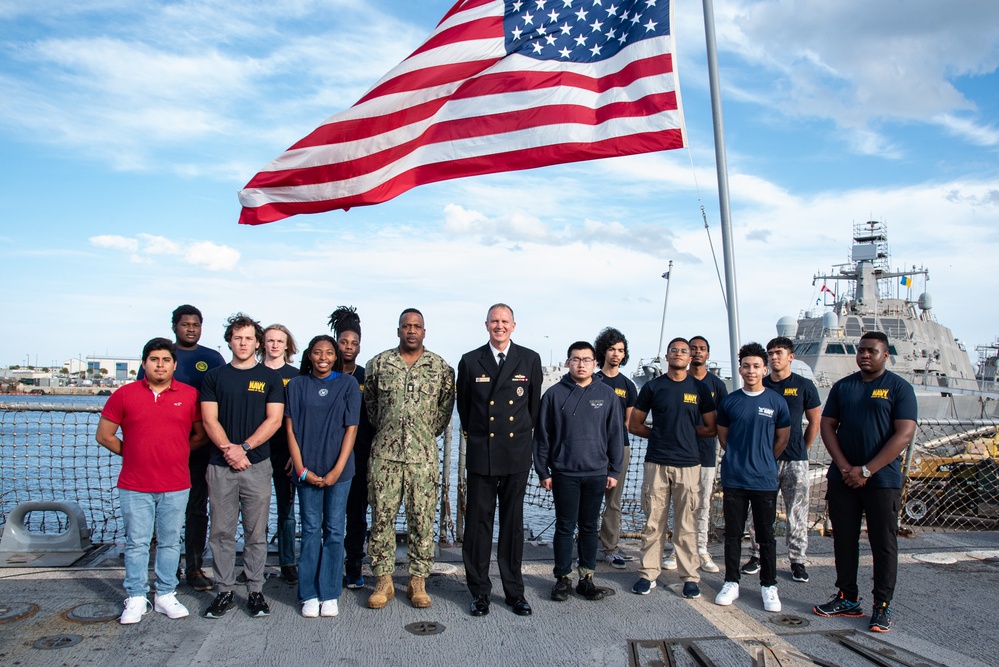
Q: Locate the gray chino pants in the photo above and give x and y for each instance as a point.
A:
(230, 494)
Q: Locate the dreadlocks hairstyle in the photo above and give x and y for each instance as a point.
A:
(345, 318)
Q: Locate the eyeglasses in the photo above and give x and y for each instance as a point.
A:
(679, 350)
(579, 361)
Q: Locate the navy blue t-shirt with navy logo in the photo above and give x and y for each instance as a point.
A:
(800, 394)
(676, 408)
(749, 462)
(867, 412)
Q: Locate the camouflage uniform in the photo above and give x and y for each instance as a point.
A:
(408, 408)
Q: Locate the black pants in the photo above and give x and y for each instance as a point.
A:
(196, 528)
(284, 499)
(736, 504)
(357, 514)
(847, 507)
(483, 493)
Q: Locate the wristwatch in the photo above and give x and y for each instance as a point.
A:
(246, 448)
(865, 471)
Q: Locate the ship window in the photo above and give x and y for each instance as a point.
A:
(892, 351)
(808, 349)
(851, 349)
(835, 348)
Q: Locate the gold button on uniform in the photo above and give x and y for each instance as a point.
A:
(491, 418)
(511, 418)
(491, 435)
(511, 402)
(492, 403)
(511, 435)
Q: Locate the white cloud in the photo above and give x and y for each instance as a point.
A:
(115, 242)
(212, 256)
(978, 134)
(209, 255)
(858, 63)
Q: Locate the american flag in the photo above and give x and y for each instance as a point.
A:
(498, 86)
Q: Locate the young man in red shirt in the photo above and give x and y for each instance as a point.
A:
(160, 423)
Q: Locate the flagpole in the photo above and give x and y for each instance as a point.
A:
(662, 329)
(728, 253)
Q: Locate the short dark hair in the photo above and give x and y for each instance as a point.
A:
(678, 339)
(501, 305)
(781, 342)
(579, 345)
(410, 310)
(752, 350)
(306, 367)
(241, 321)
(690, 341)
(876, 335)
(186, 309)
(606, 339)
(157, 344)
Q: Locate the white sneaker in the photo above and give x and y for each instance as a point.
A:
(669, 562)
(728, 594)
(168, 604)
(135, 608)
(707, 564)
(330, 608)
(310, 608)
(770, 600)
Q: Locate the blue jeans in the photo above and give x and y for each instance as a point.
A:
(320, 560)
(142, 512)
(577, 502)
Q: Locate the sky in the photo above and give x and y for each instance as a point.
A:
(128, 126)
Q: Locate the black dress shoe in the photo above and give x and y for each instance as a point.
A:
(290, 573)
(519, 606)
(479, 606)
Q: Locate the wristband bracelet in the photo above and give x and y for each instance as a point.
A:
(305, 472)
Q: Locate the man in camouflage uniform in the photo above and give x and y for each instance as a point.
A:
(409, 393)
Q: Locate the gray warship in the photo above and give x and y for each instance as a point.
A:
(867, 294)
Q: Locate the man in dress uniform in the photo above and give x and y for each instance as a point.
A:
(499, 394)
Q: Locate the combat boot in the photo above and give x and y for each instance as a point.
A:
(384, 591)
(417, 592)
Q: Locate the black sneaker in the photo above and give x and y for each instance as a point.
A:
(798, 572)
(839, 606)
(290, 573)
(560, 593)
(588, 590)
(199, 581)
(752, 566)
(881, 617)
(258, 605)
(220, 605)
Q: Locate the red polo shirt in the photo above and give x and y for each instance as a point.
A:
(155, 435)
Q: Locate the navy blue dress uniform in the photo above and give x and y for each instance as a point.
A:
(498, 408)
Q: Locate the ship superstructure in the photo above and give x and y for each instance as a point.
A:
(866, 295)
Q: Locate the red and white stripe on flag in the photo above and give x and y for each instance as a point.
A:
(498, 86)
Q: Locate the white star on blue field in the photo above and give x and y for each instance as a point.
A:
(127, 128)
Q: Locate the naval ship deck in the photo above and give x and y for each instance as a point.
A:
(943, 615)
